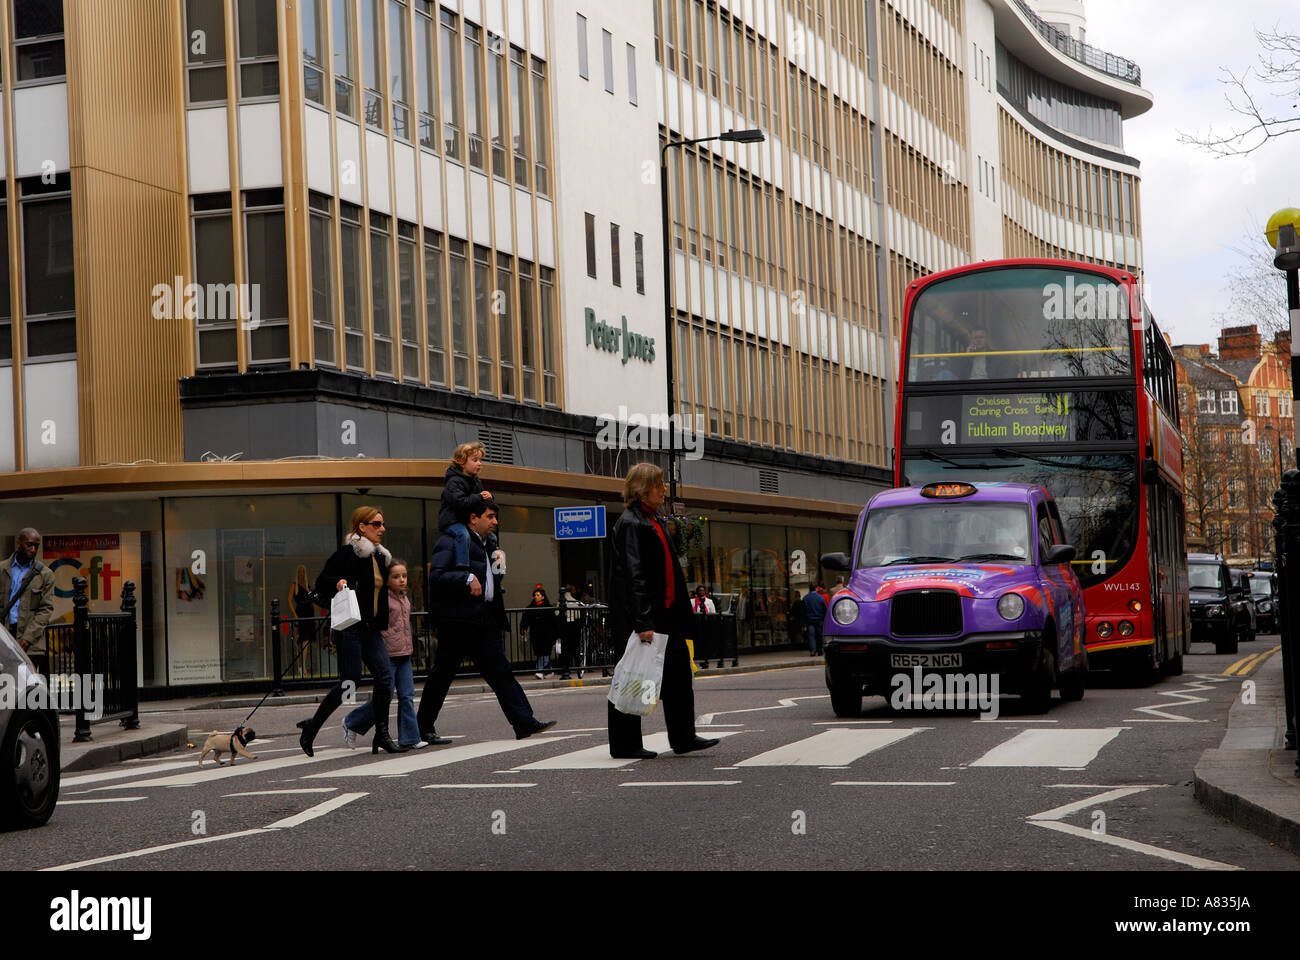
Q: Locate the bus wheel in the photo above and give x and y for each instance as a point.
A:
(1174, 666)
(846, 701)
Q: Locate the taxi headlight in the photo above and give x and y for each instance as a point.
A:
(1214, 610)
(1011, 606)
(845, 611)
(1266, 605)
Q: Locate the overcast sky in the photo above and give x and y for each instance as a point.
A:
(1195, 207)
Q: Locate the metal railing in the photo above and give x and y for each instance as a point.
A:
(96, 648)
(1107, 63)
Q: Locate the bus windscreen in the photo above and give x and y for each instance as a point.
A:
(1020, 323)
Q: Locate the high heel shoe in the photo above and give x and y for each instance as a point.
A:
(384, 742)
(307, 736)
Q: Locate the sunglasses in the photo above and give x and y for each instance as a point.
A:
(373, 523)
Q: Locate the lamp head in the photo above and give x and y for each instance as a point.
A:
(1281, 233)
(752, 136)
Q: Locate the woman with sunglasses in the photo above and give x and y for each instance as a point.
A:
(361, 563)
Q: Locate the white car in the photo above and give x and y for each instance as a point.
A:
(29, 742)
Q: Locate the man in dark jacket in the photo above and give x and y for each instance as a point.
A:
(29, 613)
(814, 611)
(468, 610)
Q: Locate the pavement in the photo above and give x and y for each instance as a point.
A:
(1249, 779)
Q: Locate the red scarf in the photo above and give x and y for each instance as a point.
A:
(669, 579)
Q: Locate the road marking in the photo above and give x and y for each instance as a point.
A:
(427, 759)
(474, 786)
(121, 774)
(1184, 700)
(243, 769)
(893, 783)
(311, 813)
(161, 848)
(598, 758)
(1016, 720)
(276, 793)
(581, 730)
(836, 723)
(69, 803)
(784, 703)
(830, 748)
(1050, 748)
(1247, 664)
(680, 783)
(1058, 813)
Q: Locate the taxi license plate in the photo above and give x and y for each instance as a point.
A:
(925, 659)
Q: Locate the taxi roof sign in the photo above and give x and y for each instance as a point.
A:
(947, 491)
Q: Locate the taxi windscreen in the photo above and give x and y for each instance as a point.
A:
(946, 531)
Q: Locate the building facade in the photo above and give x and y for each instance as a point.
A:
(272, 259)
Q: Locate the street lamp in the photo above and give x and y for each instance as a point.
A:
(731, 136)
(1278, 443)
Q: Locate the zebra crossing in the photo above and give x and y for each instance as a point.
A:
(863, 748)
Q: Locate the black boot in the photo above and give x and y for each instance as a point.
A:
(383, 741)
(307, 736)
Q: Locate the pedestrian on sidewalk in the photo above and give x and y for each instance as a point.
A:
(361, 564)
(540, 624)
(469, 610)
(397, 638)
(648, 596)
(27, 587)
(814, 611)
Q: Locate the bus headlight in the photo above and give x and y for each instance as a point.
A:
(1011, 606)
(1104, 629)
(1125, 628)
(845, 611)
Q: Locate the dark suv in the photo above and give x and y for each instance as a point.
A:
(1263, 588)
(1221, 611)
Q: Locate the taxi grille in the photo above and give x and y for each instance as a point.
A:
(925, 613)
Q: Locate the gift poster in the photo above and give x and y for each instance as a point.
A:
(106, 560)
(194, 630)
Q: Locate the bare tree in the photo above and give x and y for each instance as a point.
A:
(1257, 288)
(1279, 66)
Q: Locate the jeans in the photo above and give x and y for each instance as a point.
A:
(459, 534)
(543, 662)
(361, 719)
(354, 645)
(814, 637)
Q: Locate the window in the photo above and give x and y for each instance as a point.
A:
(496, 98)
(607, 48)
(398, 78)
(259, 49)
(615, 258)
(582, 47)
(631, 74)
(527, 341)
(473, 98)
(6, 329)
(638, 249)
(1284, 400)
(380, 295)
(313, 54)
(591, 245)
(214, 267)
(450, 64)
(49, 305)
(540, 138)
(322, 278)
(1228, 401)
(1205, 401)
(265, 268)
(205, 50)
(1265, 449)
(38, 40)
(406, 302)
(518, 119)
(372, 46)
(344, 77)
(433, 298)
(354, 322)
(1261, 403)
(483, 319)
(546, 300)
(459, 314)
(424, 78)
(505, 309)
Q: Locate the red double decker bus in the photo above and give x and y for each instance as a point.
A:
(1053, 372)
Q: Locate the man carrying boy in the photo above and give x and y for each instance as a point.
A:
(463, 492)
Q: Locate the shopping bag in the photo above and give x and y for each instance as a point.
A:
(639, 676)
(559, 649)
(344, 611)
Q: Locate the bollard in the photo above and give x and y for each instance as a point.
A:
(276, 689)
(127, 663)
(81, 650)
(1286, 526)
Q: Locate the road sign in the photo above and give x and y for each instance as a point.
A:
(579, 523)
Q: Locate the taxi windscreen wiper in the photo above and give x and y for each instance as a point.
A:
(992, 556)
(919, 560)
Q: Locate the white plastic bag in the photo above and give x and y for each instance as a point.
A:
(344, 611)
(639, 676)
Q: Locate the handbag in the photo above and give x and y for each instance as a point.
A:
(344, 610)
(638, 676)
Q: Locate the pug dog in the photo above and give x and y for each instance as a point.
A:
(234, 743)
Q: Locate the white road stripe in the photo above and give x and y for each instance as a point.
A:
(276, 793)
(893, 783)
(1059, 813)
(598, 758)
(680, 783)
(148, 850)
(840, 723)
(1050, 748)
(474, 786)
(243, 768)
(417, 760)
(836, 747)
(119, 773)
(311, 813)
(1184, 858)
(69, 803)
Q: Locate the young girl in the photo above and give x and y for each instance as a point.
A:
(397, 638)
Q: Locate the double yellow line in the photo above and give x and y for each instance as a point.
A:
(1247, 664)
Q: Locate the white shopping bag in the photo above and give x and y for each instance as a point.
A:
(639, 676)
(344, 611)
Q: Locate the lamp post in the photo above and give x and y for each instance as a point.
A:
(731, 136)
(1277, 440)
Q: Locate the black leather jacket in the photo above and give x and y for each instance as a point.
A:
(352, 562)
(638, 585)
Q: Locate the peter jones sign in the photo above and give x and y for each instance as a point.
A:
(618, 340)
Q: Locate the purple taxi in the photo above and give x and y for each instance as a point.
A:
(957, 579)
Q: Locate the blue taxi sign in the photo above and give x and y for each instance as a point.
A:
(580, 523)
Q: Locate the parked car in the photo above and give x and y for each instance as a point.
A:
(1263, 589)
(29, 744)
(1241, 580)
(957, 578)
(1221, 611)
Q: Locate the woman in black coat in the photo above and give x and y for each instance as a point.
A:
(648, 596)
(362, 564)
(540, 623)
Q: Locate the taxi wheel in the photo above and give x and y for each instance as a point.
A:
(846, 701)
(29, 781)
(1073, 685)
(1037, 695)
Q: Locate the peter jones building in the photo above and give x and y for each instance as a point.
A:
(268, 260)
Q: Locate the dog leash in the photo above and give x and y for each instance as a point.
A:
(292, 663)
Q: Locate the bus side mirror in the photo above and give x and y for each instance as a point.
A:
(1060, 553)
(838, 562)
(1150, 471)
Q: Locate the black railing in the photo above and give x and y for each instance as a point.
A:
(1107, 63)
(97, 649)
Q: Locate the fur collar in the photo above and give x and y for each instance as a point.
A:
(364, 548)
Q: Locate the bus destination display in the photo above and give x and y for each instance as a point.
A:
(991, 419)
